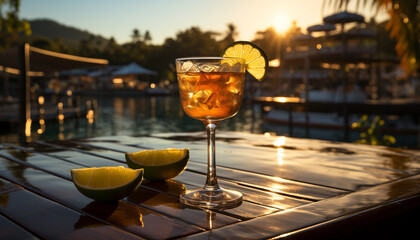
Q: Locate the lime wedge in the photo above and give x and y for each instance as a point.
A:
(159, 164)
(106, 184)
(256, 60)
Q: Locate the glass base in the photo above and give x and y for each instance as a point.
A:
(207, 197)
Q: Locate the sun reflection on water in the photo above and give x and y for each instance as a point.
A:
(90, 116)
(28, 127)
(277, 184)
(280, 155)
(279, 143)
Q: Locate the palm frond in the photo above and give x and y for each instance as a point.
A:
(403, 25)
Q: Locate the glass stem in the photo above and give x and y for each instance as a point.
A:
(211, 182)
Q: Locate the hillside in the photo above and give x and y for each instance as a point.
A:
(71, 36)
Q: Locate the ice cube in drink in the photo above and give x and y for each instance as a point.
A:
(211, 95)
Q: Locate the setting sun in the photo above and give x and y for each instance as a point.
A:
(282, 22)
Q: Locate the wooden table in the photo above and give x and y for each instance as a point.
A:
(293, 188)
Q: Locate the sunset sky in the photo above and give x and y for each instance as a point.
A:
(164, 18)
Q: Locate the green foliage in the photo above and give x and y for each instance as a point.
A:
(10, 24)
(9, 20)
(371, 135)
(403, 25)
(274, 43)
(269, 40)
(231, 34)
(192, 42)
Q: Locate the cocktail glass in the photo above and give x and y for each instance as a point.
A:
(211, 90)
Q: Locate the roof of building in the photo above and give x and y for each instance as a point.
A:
(133, 69)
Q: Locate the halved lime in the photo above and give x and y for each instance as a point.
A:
(256, 60)
(159, 164)
(106, 183)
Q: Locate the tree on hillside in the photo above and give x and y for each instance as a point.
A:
(293, 31)
(87, 48)
(114, 53)
(10, 21)
(274, 43)
(404, 26)
(231, 34)
(136, 36)
(188, 43)
(10, 24)
(147, 37)
(269, 40)
(192, 42)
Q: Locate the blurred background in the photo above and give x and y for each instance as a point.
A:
(339, 70)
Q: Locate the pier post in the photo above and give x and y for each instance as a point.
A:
(344, 103)
(6, 93)
(306, 81)
(290, 121)
(418, 133)
(25, 122)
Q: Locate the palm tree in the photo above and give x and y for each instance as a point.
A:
(136, 36)
(231, 33)
(403, 24)
(10, 20)
(147, 37)
(11, 24)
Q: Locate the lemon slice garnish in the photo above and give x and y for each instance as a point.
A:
(256, 61)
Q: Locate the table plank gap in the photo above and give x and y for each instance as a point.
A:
(221, 180)
(295, 187)
(321, 212)
(64, 193)
(324, 191)
(194, 218)
(12, 230)
(38, 214)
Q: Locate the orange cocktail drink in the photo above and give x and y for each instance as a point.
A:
(211, 90)
(211, 96)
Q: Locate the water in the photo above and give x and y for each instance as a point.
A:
(136, 116)
(147, 115)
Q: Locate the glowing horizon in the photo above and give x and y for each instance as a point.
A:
(164, 18)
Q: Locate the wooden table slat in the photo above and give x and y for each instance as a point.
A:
(39, 214)
(63, 191)
(245, 211)
(10, 230)
(196, 180)
(293, 188)
(291, 221)
(335, 166)
(278, 185)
